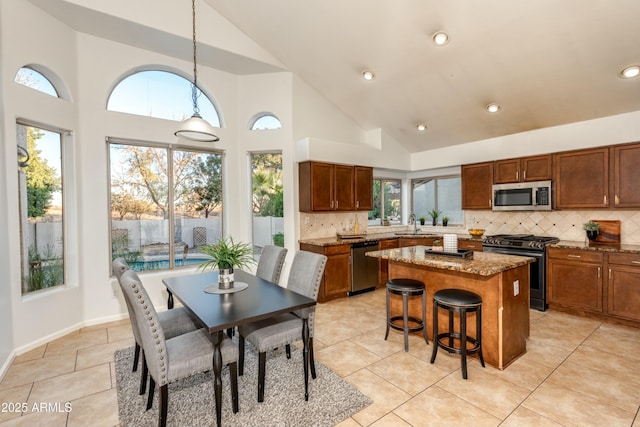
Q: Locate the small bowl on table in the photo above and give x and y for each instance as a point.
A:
(476, 232)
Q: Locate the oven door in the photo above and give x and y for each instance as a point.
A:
(537, 273)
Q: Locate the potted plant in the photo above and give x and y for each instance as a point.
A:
(386, 221)
(422, 220)
(434, 214)
(592, 228)
(227, 255)
(445, 221)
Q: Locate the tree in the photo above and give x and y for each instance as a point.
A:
(267, 185)
(207, 189)
(42, 179)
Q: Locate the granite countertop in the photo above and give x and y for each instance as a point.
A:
(597, 247)
(366, 237)
(482, 264)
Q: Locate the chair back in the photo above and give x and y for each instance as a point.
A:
(271, 262)
(305, 278)
(119, 266)
(151, 333)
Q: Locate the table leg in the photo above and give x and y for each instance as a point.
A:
(305, 352)
(170, 300)
(217, 377)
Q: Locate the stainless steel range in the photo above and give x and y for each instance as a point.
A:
(526, 245)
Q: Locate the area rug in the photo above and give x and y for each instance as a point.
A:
(191, 401)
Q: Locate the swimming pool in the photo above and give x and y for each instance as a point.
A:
(163, 264)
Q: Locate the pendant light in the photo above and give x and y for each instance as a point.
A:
(196, 128)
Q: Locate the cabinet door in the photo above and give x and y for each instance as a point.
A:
(344, 193)
(537, 168)
(315, 186)
(337, 276)
(470, 244)
(505, 171)
(626, 191)
(574, 284)
(477, 180)
(363, 188)
(623, 292)
(383, 264)
(582, 178)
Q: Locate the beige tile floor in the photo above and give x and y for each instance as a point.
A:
(577, 372)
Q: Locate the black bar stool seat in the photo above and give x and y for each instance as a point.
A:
(406, 288)
(462, 302)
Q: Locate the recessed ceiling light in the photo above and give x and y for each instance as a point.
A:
(440, 38)
(421, 127)
(493, 107)
(630, 72)
(368, 75)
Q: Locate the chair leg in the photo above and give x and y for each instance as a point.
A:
(312, 361)
(287, 349)
(152, 389)
(143, 375)
(233, 375)
(463, 343)
(386, 335)
(136, 357)
(164, 403)
(405, 309)
(262, 360)
(241, 354)
(436, 341)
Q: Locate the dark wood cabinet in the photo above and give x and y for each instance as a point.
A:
(582, 178)
(626, 176)
(332, 187)
(383, 264)
(623, 286)
(526, 169)
(574, 279)
(416, 241)
(470, 244)
(477, 180)
(336, 281)
(363, 185)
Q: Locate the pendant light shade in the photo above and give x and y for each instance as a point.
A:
(196, 128)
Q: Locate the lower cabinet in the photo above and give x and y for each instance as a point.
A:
(623, 290)
(574, 279)
(336, 281)
(383, 264)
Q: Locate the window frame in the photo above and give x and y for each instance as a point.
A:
(383, 180)
(435, 195)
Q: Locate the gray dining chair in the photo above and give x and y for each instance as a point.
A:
(270, 263)
(174, 322)
(172, 359)
(282, 330)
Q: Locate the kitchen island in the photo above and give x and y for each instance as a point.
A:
(501, 280)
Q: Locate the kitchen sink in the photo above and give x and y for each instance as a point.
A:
(418, 234)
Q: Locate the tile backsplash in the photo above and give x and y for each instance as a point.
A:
(566, 225)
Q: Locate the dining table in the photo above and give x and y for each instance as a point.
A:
(258, 299)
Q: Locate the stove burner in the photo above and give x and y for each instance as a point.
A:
(528, 241)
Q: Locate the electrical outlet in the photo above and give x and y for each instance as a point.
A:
(516, 288)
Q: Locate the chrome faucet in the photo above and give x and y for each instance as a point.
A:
(412, 220)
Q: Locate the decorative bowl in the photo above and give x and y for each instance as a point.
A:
(477, 232)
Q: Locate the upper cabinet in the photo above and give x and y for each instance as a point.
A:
(477, 180)
(626, 175)
(527, 169)
(582, 178)
(331, 187)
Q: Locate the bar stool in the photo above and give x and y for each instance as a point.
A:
(463, 302)
(406, 288)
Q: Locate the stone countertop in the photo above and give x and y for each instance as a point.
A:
(482, 264)
(366, 237)
(597, 247)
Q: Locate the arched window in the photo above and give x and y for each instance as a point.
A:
(159, 94)
(29, 77)
(264, 121)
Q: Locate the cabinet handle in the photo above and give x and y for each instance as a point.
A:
(635, 262)
(332, 204)
(616, 200)
(489, 202)
(610, 275)
(357, 204)
(336, 204)
(517, 175)
(605, 199)
(524, 175)
(574, 256)
(598, 272)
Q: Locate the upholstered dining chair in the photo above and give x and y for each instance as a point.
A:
(270, 263)
(171, 359)
(174, 322)
(282, 330)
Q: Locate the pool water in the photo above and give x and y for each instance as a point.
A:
(163, 264)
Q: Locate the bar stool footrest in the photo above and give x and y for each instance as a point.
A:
(456, 350)
(419, 323)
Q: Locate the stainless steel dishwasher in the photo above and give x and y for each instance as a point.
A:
(364, 269)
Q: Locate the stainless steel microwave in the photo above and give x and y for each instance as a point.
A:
(523, 196)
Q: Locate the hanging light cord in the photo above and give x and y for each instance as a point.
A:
(194, 86)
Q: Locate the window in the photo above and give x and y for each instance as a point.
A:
(265, 121)
(35, 80)
(443, 194)
(387, 202)
(163, 201)
(160, 94)
(41, 207)
(267, 202)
